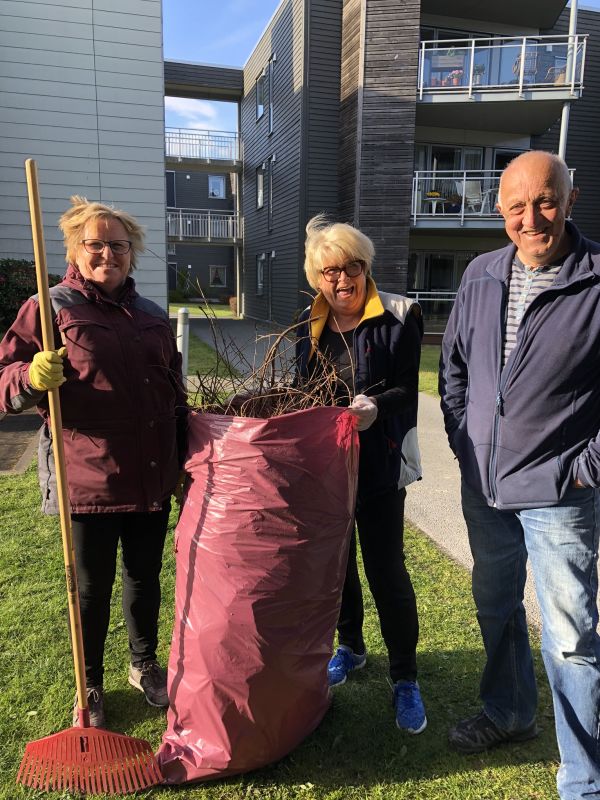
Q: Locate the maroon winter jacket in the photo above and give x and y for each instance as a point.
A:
(123, 403)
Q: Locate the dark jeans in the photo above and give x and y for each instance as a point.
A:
(380, 523)
(95, 539)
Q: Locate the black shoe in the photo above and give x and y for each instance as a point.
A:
(95, 699)
(479, 733)
(151, 679)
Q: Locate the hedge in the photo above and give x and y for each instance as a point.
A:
(17, 283)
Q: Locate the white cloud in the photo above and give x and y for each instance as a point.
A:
(204, 115)
(194, 110)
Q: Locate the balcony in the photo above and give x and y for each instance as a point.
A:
(457, 198)
(203, 226)
(201, 149)
(540, 14)
(436, 307)
(456, 75)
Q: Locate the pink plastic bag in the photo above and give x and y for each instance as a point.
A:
(262, 546)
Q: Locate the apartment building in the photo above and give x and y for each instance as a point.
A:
(429, 110)
(395, 116)
(82, 92)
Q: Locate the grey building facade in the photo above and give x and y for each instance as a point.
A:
(81, 92)
(419, 112)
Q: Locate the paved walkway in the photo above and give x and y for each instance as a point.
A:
(433, 504)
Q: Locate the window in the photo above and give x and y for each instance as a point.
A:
(170, 183)
(271, 90)
(270, 170)
(260, 95)
(172, 273)
(502, 158)
(260, 186)
(260, 274)
(216, 186)
(218, 277)
(171, 249)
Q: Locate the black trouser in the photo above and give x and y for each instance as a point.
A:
(380, 523)
(95, 538)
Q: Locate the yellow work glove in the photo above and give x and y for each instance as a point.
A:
(46, 369)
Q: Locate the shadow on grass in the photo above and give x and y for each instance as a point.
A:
(358, 743)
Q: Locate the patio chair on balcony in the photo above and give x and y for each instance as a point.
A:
(471, 192)
(476, 201)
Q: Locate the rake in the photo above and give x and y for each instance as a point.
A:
(82, 759)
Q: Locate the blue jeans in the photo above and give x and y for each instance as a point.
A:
(562, 544)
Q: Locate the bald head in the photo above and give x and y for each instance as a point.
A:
(535, 199)
(541, 163)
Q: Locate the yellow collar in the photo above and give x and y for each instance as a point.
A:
(319, 312)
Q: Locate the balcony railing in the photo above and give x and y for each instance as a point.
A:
(206, 145)
(196, 223)
(456, 195)
(502, 64)
(436, 307)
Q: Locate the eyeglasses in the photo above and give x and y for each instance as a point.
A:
(352, 270)
(119, 246)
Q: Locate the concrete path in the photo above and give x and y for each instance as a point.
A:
(252, 339)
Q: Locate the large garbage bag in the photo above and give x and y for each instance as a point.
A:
(261, 552)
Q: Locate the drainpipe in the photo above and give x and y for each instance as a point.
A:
(566, 109)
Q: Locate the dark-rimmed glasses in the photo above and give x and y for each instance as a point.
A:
(95, 246)
(352, 270)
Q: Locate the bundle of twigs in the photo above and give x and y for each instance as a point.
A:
(237, 387)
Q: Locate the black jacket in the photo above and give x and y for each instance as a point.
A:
(387, 349)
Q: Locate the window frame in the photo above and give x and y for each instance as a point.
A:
(260, 186)
(222, 196)
(219, 267)
(260, 94)
(270, 170)
(168, 173)
(261, 259)
(271, 90)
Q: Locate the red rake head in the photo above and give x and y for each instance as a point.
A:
(89, 761)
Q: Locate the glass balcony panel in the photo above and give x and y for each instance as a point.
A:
(501, 62)
(456, 194)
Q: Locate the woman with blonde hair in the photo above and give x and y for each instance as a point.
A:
(124, 416)
(373, 339)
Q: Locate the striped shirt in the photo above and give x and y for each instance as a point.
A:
(525, 283)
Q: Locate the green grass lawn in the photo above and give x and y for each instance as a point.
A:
(202, 310)
(428, 374)
(357, 752)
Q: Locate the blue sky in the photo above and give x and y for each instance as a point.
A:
(211, 32)
(218, 32)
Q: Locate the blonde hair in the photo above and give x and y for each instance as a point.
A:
(334, 243)
(73, 222)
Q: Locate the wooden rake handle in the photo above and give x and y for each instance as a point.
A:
(41, 270)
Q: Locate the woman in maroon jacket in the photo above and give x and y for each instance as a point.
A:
(124, 411)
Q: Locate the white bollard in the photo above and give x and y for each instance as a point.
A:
(183, 338)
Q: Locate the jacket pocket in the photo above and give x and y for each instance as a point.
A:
(533, 485)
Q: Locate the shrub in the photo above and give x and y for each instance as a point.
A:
(17, 283)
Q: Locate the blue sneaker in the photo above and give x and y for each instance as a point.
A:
(410, 711)
(344, 661)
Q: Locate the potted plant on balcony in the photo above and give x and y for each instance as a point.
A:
(453, 78)
(453, 204)
(478, 71)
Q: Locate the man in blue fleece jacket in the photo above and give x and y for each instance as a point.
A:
(520, 389)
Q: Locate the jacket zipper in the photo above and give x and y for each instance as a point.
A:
(499, 409)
